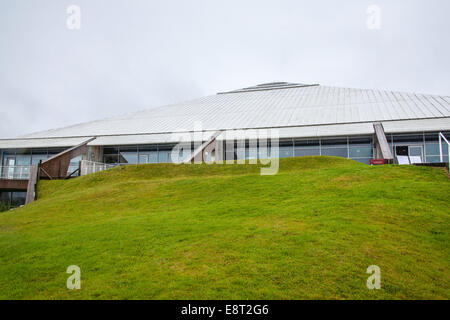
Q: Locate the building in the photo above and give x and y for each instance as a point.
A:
(359, 124)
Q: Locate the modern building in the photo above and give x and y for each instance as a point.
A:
(359, 124)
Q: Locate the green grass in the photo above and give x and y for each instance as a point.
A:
(226, 232)
(4, 207)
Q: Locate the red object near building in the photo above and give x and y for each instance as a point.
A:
(374, 162)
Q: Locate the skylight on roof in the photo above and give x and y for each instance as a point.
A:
(270, 86)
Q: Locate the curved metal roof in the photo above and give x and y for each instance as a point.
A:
(273, 105)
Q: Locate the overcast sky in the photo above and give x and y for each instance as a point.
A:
(138, 54)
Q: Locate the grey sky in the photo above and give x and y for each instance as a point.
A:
(133, 55)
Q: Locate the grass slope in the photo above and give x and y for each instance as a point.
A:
(224, 231)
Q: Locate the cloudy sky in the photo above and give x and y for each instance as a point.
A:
(138, 54)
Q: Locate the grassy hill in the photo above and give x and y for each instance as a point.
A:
(224, 231)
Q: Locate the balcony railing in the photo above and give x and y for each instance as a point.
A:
(442, 137)
(88, 167)
(15, 172)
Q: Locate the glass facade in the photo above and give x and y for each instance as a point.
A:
(26, 157)
(13, 198)
(424, 145)
(23, 158)
(139, 154)
(356, 148)
(359, 148)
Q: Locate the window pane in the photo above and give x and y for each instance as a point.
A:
(285, 143)
(35, 158)
(285, 152)
(299, 152)
(241, 153)
(415, 151)
(110, 158)
(128, 155)
(408, 138)
(5, 197)
(433, 159)
(433, 148)
(18, 198)
(337, 152)
(360, 141)
(23, 160)
(111, 155)
(164, 157)
(251, 153)
(360, 152)
(306, 143)
(363, 160)
(334, 142)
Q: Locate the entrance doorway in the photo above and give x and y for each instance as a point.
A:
(412, 152)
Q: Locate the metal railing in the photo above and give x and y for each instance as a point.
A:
(88, 167)
(15, 172)
(441, 136)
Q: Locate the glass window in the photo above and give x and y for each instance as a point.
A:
(285, 152)
(5, 197)
(408, 138)
(299, 152)
(433, 137)
(285, 143)
(76, 160)
(363, 160)
(241, 153)
(306, 143)
(436, 159)
(164, 157)
(164, 152)
(360, 152)
(128, 155)
(23, 159)
(153, 157)
(336, 152)
(111, 158)
(148, 157)
(111, 155)
(251, 153)
(35, 158)
(335, 142)
(148, 154)
(54, 151)
(18, 198)
(415, 151)
(143, 158)
(433, 148)
(360, 141)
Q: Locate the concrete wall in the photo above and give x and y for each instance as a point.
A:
(94, 154)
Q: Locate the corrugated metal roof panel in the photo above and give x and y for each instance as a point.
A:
(146, 139)
(41, 143)
(438, 124)
(284, 107)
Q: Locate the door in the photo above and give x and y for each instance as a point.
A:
(416, 151)
(401, 151)
(143, 158)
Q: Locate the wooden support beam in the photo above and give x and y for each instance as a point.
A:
(57, 166)
(32, 183)
(198, 156)
(382, 146)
